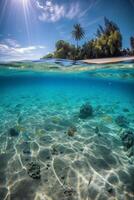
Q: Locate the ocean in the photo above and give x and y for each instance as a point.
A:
(67, 135)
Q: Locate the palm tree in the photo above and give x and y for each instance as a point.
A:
(78, 33)
(132, 44)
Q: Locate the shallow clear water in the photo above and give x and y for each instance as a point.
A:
(41, 108)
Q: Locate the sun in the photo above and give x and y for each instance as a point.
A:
(24, 1)
(21, 2)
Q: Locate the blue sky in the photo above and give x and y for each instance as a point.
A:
(30, 28)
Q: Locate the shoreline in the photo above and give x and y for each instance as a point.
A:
(98, 61)
(91, 65)
(108, 60)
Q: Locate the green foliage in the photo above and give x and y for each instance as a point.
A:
(107, 43)
(60, 44)
(49, 55)
(64, 50)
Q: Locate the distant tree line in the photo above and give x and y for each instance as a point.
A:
(107, 43)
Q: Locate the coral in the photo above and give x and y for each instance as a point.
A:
(40, 132)
(69, 192)
(71, 131)
(33, 170)
(55, 120)
(107, 119)
(97, 131)
(121, 121)
(127, 139)
(13, 132)
(86, 111)
(125, 110)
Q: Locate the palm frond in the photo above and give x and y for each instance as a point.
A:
(78, 32)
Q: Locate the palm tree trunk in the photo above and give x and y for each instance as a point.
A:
(77, 45)
(76, 50)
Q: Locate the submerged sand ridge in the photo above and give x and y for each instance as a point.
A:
(41, 159)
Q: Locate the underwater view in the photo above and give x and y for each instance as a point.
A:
(67, 135)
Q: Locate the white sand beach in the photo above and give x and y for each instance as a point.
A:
(108, 60)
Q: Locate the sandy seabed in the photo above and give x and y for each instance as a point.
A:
(41, 160)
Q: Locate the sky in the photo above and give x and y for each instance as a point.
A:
(29, 29)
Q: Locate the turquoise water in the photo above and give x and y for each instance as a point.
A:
(39, 159)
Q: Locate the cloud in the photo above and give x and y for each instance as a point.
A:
(11, 50)
(52, 12)
(73, 11)
(11, 42)
(92, 4)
